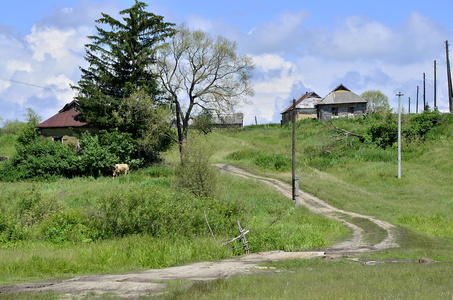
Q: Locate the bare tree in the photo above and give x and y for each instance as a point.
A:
(199, 72)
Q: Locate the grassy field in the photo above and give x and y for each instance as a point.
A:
(361, 179)
(64, 246)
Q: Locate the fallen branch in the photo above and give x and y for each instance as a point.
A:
(340, 134)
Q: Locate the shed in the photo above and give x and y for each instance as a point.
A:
(341, 103)
(235, 120)
(63, 126)
(305, 108)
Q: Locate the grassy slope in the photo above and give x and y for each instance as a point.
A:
(419, 203)
(366, 181)
(362, 181)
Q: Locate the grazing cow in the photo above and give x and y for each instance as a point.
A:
(120, 169)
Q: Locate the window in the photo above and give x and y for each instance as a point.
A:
(334, 111)
(351, 109)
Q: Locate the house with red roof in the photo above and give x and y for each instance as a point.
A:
(63, 126)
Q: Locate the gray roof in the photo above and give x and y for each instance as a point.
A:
(341, 95)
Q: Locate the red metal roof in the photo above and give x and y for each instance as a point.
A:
(68, 118)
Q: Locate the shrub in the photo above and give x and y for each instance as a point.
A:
(384, 135)
(12, 127)
(101, 152)
(68, 226)
(195, 172)
(421, 124)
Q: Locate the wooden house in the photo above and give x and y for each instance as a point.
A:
(305, 108)
(341, 103)
(63, 126)
(228, 120)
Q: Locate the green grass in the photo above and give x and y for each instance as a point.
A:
(44, 261)
(361, 179)
(318, 279)
(273, 221)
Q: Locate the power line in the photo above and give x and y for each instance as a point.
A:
(37, 86)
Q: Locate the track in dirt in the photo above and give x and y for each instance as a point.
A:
(132, 285)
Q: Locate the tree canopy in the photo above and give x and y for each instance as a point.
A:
(199, 72)
(377, 102)
(120, 57)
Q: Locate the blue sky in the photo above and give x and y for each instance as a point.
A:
(297, 46)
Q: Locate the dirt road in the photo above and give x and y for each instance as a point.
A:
(132, 285)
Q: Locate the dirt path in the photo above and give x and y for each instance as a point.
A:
(316, 205)
(131, 285)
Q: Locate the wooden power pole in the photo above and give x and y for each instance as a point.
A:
(409, 112)
(435, 85)
(424, 93)
(450, 92)
(416, 104)
(295, 180)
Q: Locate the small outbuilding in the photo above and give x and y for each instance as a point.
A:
(235, 120)
(341, 103)
(305, 108)
(63, 126)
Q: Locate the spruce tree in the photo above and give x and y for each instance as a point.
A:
(120, 57)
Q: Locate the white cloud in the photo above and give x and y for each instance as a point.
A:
(15, 65)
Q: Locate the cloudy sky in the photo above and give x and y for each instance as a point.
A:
(297, 46)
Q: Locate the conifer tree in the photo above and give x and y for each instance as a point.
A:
(120, 57)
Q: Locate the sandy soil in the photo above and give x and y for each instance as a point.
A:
(131, 285)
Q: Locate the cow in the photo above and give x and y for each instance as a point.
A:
(120, 169)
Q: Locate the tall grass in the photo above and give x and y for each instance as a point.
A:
(273, 221)
(317, 279)
(39, 261)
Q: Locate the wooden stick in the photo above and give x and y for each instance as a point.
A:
(206, 218)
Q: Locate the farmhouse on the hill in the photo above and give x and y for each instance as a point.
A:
(63, 126)
(341, 103)
(305, 108)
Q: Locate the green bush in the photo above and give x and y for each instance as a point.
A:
(99, 153)
(45, 159)
(68, 226)
(421, 124)
(384, 135)
(42, 158)
(12, 127)
(195, 172)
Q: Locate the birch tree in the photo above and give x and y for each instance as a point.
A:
(197, 71)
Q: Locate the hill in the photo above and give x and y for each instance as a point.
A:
(359, 174)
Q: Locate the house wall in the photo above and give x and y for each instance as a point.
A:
(326, 112)
(304, 113)
(64, 134)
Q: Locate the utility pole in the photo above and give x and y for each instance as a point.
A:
(416, 105)
(435, 85)
(424, 93)
(409, 106)
(295, 180)
(399, 133)
(450, 89)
